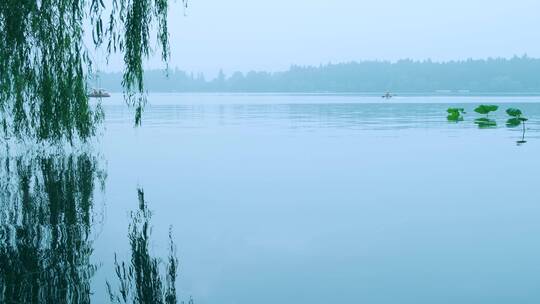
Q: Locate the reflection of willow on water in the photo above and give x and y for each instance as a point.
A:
(140, 280)
(46, 218)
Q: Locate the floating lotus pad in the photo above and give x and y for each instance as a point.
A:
(514, 112)
(455, 114)
(486, 109)
(484, 123)
(516, 119)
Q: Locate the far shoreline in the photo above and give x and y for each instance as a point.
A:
(362, 94)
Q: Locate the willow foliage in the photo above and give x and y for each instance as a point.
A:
(45, 63)
(48, 210)
(141, 280)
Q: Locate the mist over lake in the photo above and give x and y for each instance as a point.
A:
(240, 152)
(311, 199)
(493, 76)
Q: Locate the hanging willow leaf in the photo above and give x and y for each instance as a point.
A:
(45, 65)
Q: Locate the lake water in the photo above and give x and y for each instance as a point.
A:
(294, 199)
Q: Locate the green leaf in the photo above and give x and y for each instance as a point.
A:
(493, 108)
(513, 112)
(457, 110)
(481, 109)
(455, 114)
(484, 123)
(485, 109)
(455, 117)
(513, 122)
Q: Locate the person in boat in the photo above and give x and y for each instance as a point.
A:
(98, 93)
(387, 95)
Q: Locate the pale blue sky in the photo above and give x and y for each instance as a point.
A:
(272, 35)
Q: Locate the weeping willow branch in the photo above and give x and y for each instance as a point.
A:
(45, 65)
(141, 280)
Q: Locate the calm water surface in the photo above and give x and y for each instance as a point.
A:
(302, 199)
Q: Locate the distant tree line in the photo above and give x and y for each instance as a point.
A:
(497, 75)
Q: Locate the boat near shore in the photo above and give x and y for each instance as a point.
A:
(99, 93)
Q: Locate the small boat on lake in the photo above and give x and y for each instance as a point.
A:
(387, 95)
(98, 93)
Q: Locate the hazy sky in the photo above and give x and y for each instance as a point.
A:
(272, 35)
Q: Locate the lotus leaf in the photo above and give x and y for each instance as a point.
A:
(514, 112)
(485, 109)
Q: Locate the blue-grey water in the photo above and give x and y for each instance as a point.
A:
(325, 199)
